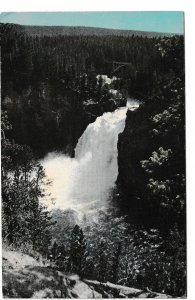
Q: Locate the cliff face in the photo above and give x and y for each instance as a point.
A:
(151, 160)
(134, 145)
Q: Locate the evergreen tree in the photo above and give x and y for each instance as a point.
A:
(77, 250)
(25, 219)
(116, 263)
(103, 267)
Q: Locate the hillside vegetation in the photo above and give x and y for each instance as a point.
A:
(83, 30)
(53, 86)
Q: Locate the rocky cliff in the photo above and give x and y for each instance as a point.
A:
(151, 159)
(134, 145)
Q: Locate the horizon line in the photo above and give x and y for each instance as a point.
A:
(95, 27)
(148, 21)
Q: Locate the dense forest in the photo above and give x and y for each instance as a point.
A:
(83, 30)
(47, 83)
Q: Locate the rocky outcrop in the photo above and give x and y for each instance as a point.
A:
(25, 276)
(110, 290)
(96, 109)
(45, 282)
(134, 144)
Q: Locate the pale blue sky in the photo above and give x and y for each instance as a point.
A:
(170, 21)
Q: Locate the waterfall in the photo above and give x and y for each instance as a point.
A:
(83, 183)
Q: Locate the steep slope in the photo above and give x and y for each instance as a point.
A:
(36, 280)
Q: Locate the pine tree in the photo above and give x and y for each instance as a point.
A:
(77, 250)
(116, 261)
(25, 219)
(103, 267)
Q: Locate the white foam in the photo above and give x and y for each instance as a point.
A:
(83, 183)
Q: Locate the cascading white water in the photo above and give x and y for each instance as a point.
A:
(97, 147)
(83, 183)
